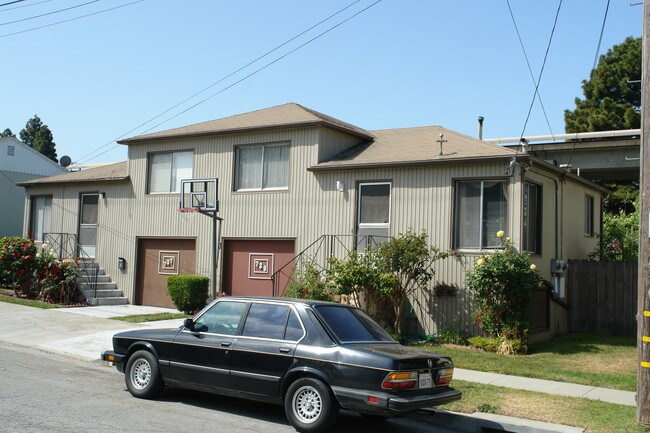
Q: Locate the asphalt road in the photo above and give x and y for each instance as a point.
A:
(44, 392)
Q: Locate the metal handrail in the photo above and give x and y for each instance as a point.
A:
(66, 246)
(319, 253)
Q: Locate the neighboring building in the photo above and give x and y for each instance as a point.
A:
(20, 163)
(288, 175)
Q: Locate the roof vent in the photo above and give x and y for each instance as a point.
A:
(11, 150)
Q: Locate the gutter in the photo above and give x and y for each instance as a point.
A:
(572, 136)
(401, 164)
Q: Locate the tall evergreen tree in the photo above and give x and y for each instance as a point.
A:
(612, 93)
(7, 133)
(38, 136)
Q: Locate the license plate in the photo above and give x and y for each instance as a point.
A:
(425, 380)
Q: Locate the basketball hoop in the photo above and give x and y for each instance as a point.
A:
(188, 213)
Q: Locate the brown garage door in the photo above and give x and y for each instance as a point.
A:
(249, 264)
(157, 260)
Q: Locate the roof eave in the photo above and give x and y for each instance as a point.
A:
(69, 181)
(398, 164)
(137, 139)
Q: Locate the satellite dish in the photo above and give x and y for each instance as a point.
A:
(65, 161)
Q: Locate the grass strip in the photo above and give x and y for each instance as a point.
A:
(595, 360)
(28, 302)
(594, 416)
(154, 317)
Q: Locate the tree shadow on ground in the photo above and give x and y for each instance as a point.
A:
(570, 344)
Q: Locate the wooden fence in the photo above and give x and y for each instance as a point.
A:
(602, 297)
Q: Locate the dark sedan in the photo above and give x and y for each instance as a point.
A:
(313, 357)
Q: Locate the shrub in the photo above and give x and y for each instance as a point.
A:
(502, 283)
(450, 336)
(309, 285)
(56, 279)
(500, 345)
(188, 292)
(18, 264)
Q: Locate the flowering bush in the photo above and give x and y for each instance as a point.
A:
(36, 274)
(502, 283)
(309, 285)
(17, 265)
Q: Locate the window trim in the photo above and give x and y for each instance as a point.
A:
(540, 218)
(150, 156)
(454, 211)
(589, 218)
(32, 198)
(390, 204)
(263, 146)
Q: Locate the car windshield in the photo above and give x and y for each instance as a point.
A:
(352, 325)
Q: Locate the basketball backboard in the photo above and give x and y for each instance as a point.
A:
(200, 194)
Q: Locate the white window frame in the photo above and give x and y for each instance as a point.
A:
(454, 227)
(390, 200)
(173, 189)
(262, 165)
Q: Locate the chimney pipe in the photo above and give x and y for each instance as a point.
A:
(480, 127)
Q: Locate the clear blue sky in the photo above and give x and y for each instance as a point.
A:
(400, 63)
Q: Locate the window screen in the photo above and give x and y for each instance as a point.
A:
(262, 167)
(480, 212)
(166, 170)
(374, 203)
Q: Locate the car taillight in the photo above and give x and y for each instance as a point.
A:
(444, 376)
(400, 380)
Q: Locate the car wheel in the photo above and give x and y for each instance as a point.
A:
(142, 375)
(309, 405)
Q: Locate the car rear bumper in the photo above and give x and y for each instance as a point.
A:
(114, 359)
(365, 401)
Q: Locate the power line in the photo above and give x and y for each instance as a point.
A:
(221, 79)
(48, 13)
(10, 3)
(530, 69)
(539, 78)
(25, 6)
(71, 19)
(251, 74)
(600, 39)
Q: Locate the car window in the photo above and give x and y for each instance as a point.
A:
(266, 321)
(351, 324)
(294, 330)
(221, 318)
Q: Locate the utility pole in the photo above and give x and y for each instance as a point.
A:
(643, 306)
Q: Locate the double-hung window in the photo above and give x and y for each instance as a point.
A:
(166, 170)
(264, 167)
(532, 218)
(481, 210)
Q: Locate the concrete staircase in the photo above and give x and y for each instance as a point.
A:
(107, 292)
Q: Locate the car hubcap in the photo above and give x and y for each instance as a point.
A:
(307, 404)
(141, 374)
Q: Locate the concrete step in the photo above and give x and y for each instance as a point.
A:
(109, 293)
(90, 278)
(120, 300)
(100, 286)
(91, 272)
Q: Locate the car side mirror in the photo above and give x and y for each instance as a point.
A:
(189, 324)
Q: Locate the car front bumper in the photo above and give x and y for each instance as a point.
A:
(115, 359)
(366, 401)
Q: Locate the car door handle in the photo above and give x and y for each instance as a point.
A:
(284, 349)
(226, 343)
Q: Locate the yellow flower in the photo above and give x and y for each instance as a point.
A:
(479, 262)
(500, 234)
(533, 267)
(508, 240)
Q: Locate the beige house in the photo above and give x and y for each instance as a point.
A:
(288, 175)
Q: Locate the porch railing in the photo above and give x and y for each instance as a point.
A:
(318, 253)
(66, 246)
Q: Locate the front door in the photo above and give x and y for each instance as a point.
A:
(88, 225)
(373, 213)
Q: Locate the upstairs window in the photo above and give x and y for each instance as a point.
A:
(263, 167)
(480, 210)
(532, 218)
(166, 170)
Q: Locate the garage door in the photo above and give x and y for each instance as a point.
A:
(249, 265)
(157, 260)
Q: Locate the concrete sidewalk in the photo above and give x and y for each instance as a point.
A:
(84, 332)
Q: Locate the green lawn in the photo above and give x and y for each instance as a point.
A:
(28, 302)
(150, 317)
(594, 416)
(586, 359)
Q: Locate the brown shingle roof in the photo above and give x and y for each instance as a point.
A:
(405, 146)
(106, 173)
(280, 116)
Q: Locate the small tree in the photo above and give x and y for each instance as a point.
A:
(503, 283)
(38, 136)
(620, 237)
(408, 259)
(7, 133)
